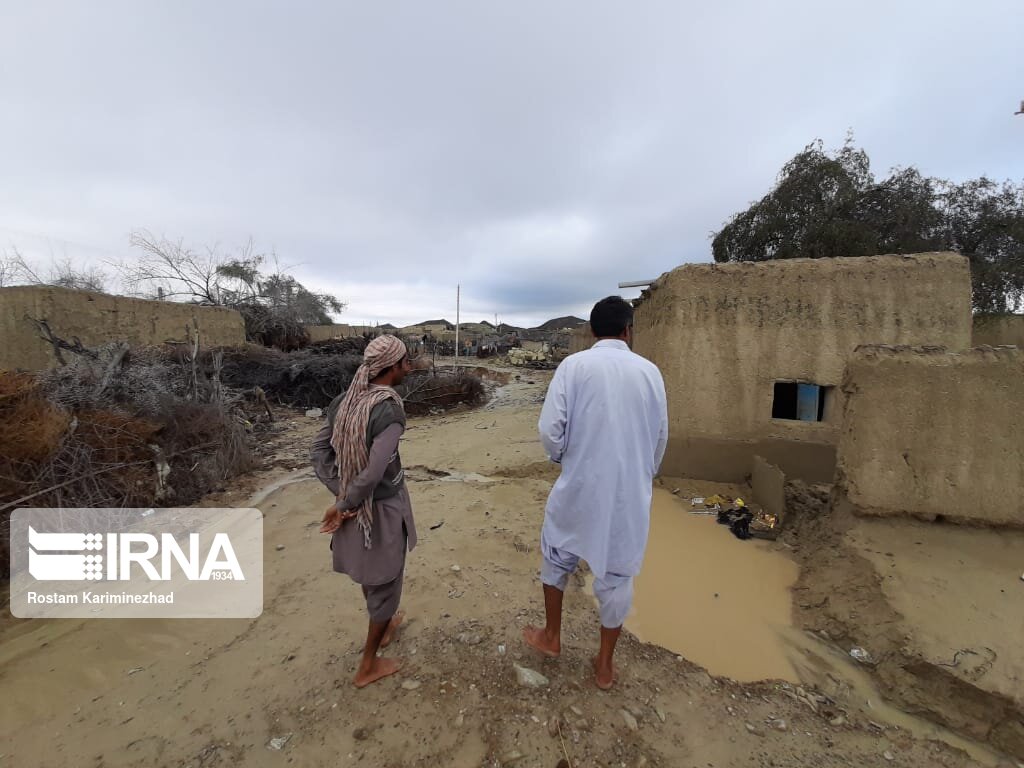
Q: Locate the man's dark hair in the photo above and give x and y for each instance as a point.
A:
(611, 317)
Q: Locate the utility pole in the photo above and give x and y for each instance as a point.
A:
(458, 296)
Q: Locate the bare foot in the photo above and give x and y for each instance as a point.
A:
(604, 678)
(378, 669)
(537, 638)
(393, 625)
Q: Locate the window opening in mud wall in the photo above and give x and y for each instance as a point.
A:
(800, 402)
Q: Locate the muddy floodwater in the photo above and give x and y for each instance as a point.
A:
(725, 604)
(719, 601)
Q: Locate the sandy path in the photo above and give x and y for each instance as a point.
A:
(198, 693)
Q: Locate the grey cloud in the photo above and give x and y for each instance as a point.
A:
(537, 152)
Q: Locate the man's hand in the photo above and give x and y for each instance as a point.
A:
(333, 518)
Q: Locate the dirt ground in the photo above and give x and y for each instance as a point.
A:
(216, 693)
(938, 607)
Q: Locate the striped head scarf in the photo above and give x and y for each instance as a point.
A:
(350, 422)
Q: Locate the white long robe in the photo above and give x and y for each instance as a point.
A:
(605, 420)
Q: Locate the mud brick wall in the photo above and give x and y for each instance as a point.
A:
(580, 339)
(999, 330)
(96, 318)
(934, 435)
(724, 334)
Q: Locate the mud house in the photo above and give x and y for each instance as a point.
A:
(934, 435)
(753, 354)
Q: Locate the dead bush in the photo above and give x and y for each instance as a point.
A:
(304, 379)
(427, 390)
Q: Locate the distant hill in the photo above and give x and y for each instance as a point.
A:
(436, 322)
(561, 322)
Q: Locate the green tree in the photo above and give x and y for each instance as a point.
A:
(829, 204)
(985, 222)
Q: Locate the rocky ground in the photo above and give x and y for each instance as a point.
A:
(276, 690)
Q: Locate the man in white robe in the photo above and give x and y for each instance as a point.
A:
(605, 420)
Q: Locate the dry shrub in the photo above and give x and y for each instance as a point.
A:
(353, 345)
(425, 391)
(30, 426)
(145, 382)
(204, 446)
(265, 326)
(117, 431)
(303, 379)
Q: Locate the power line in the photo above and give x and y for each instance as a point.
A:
(65, 241)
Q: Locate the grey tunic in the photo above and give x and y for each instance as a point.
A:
(393, 530)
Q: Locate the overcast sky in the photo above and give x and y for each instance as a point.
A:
(537, 152)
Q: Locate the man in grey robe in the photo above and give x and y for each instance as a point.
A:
(371, 523)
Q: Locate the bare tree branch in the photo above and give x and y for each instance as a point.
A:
(47, 335)
(171, 268)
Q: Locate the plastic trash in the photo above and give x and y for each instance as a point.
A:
(861, 655)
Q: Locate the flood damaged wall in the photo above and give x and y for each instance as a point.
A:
(724, 334)
(999, 330)
(934, 435)
(96, 318)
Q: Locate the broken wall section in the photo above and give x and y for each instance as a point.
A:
(934, 435)
(725, 335)
(999, 330)
(97, 318)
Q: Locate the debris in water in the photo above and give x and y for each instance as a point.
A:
(411, 685)
(315, 413)
(456, 568)
(436, 525)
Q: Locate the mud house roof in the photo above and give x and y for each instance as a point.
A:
(801, 269)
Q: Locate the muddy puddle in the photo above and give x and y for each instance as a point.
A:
(720, 602)
(725, 604)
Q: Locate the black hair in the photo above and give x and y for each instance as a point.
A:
(610, 317)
